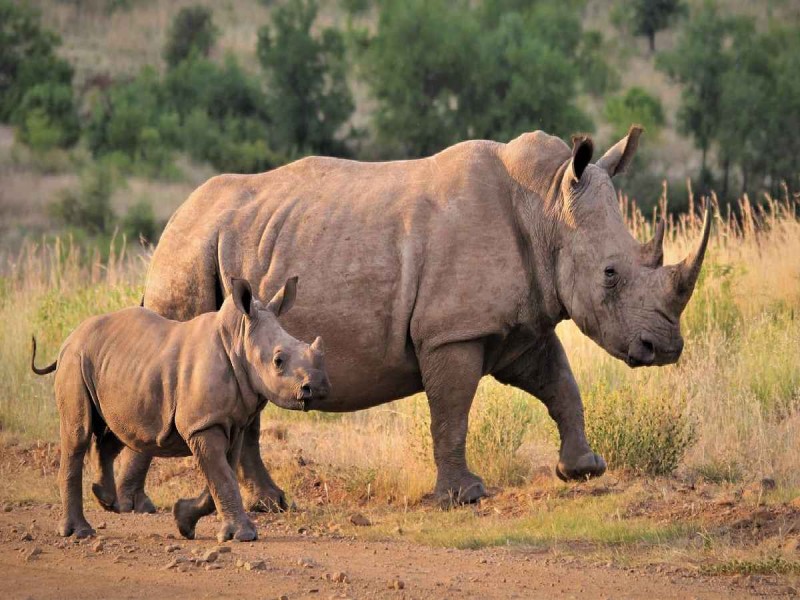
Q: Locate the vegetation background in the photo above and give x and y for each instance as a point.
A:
(115, 110)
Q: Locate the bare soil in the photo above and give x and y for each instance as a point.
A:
(129, 559)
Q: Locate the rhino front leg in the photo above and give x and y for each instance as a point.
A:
(217, 460)
(130, 485)
(260, 492)
(545, 372)
(450, 375)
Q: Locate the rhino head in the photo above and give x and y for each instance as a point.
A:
(289, 373)
(617, 290)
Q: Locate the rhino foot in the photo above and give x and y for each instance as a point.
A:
(81, 529)
(268, 498)
(585, 467)
(106, 498)
(186, 516)
(242, 531)
(137, 502)
(468, 490)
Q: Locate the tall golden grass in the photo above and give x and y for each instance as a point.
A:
(730, 410)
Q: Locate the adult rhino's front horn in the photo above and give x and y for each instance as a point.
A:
(685, 273)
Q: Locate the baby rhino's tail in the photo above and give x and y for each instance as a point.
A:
(47, 369)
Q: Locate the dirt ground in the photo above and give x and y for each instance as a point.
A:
(132, 554)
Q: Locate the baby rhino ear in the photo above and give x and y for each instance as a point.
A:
(283, 300)
(242, 296)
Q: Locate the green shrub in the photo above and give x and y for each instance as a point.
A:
(140, 222)
(647, 434)
(89, 207)
(46, 117)
(192, 34)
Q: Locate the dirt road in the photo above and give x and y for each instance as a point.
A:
(130, 558)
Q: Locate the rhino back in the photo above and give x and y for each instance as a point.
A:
(391, 257)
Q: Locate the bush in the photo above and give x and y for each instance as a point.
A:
(47, 118)
(647, 434)
(140, 222)
(192, 34)
(88, 208)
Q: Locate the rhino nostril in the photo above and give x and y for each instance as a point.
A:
(648, 346)
(305, 390)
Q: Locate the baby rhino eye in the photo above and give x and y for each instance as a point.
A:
(610, 272)
(277, 361)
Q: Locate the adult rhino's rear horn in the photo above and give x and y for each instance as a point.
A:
(686, 272)
(653, 250)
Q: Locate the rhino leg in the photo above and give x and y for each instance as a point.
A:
(106, 449)
(450, 375)
(260, 492)
(217, 460)
(130, 485)
(75, 410)
(545, 372)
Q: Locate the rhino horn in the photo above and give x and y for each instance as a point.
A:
(317, 346)
(653, 250)
(686, 272)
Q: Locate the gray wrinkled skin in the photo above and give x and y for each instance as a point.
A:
(167, 388)
(428, 274)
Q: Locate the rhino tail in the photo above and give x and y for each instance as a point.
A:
(44, 371)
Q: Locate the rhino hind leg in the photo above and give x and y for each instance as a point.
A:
(261, 494)
(76, 418)
(131, 496)
(106, 448)
(450, 375)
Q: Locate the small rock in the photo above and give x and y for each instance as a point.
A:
(255, 565)
(101, 525)
(98, 546)
(360, 520)
(174, 563)
(222, 549)
(26, 537)
(210, 556)
(396, 584)
(306, 563)
(33, 553)
(239, 563)
(762, 517)
(283, 597)
(7, 507)
(340, 577)
(213, 566)
(172, 548)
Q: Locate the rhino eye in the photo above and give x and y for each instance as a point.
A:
(611, 276)
(278, 361)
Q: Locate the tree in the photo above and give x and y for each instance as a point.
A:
(634, 106)
(699, 62)
(648, 17)
(192, 33)
(308, 96)
(493, 69)
(35, 85)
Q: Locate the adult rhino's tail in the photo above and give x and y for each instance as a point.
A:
(47, 369)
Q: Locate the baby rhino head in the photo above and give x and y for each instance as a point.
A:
(286, 371)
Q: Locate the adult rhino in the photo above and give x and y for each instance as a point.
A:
(429, 274)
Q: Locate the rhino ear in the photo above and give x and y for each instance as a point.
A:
(242, 295)
(284, 299)
(620, 155)
(582, 149)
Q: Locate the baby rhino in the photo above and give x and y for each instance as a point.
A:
(167, 388)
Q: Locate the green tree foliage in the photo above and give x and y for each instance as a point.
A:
(634, 106)
(140, 222)
(699, 62)
(492, 70)
(648, 17)
(35, 85)
(192, 34)
(308, 96)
